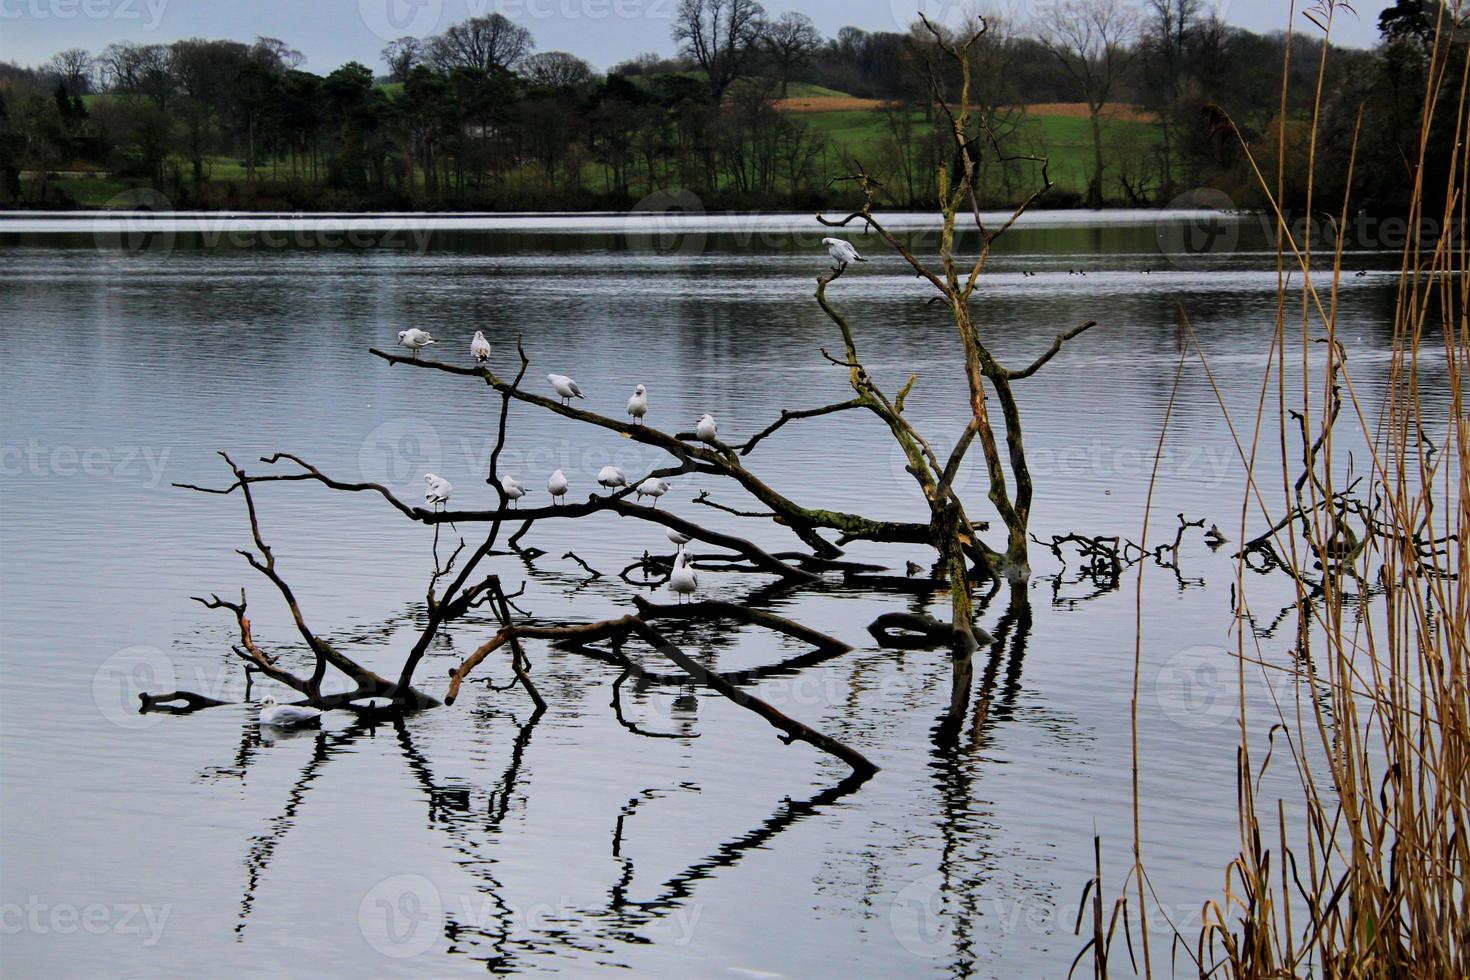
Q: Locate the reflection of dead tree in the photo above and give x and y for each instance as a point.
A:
(621, 629)
(1104, 557)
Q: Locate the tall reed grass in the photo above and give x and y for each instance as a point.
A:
(1364, 872)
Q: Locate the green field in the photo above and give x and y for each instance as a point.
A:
(1066, 141)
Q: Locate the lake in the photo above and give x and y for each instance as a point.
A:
(478, 836)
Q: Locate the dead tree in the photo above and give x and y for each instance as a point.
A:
(466, 580)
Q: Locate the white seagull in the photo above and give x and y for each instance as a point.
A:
(480, 347)
(557, 486)
(655, 488)
(288, 715)
(679, 537)
(706, 429)
(513, 489)
(414, 339)
(638, 404)
(683, 580)
(436, 490)
(612, 477)
(842, 251)
(565, 387)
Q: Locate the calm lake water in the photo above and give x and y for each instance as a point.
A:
(478, 837)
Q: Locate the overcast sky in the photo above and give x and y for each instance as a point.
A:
(604, 32)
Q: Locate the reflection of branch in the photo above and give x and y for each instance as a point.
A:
(619, 629)
(679, 887)
(617, 706)
(713, 609)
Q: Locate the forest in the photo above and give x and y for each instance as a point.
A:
(1131, 104)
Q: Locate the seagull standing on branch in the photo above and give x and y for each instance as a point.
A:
(679, 537)
(557, 487)
(436, 490)
(480, 347)
(706, 429)
(288, 715)
(842, 252)
(655, 488)
(683, 580)
(565, 387)
(414, 339)
(513, 489)
(612, 477)
(638, 404)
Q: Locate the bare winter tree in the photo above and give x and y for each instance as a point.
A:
(73, 68)
(484, 43)
(556, 69)
(1167, 29)
(723, 37)
(1092, 41)
(401, 56)
(790, 41)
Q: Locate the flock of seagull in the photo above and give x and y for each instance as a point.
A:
(683, 578)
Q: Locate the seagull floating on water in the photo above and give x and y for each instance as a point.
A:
(612, 477)
(513, 489)
(414, 339)
(706, 429)
(288, 715)
(683, 580)
(655, 488)
(842, 252)
(565, 387)
(436, 490)
(638, 404)
(480, 347)
(557, 485)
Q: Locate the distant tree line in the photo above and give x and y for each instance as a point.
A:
(476, 118)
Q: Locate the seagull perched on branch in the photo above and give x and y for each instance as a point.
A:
(842, 252)
(557, 486)
(679, 537)
(514, 491)
(288, 715)
(414, 339)
(655, 488)
(706, 429)
(683, 580)
(436, 490)
(480, 347)
(638, 404)
(612, 477)
(565, 387)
